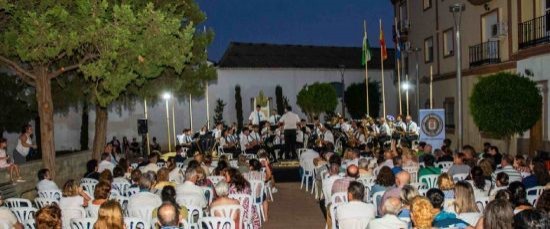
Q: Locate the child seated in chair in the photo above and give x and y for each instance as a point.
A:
(5, 162)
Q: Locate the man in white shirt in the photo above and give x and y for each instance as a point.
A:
(306, 159)
(355, 214)
(105, 163)
(145, 197)
(180, 137)
(334, 170)
(190, 190)
(256, 116)
(45, 181)
(152, 165)
(506, 167)
(411, 126)
(344, 126)
(7, 216)
(391, 208)
(217, 132)
(274, 118)
(290, 121)
(247, 143)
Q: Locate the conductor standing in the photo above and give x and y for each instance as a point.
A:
(290, 121)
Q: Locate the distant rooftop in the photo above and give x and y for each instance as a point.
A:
(260, 55)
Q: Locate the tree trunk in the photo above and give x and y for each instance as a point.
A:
(100, 136)
(84, 127)
(45, 112)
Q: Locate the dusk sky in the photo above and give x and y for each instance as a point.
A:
(307, 22)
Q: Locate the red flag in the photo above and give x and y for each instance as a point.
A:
(383, 49)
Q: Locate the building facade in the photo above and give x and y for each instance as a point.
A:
(496, 35)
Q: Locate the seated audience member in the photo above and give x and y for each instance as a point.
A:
(7, 216)
(110, 216)
(101, 193)
(506, 167)
(384, 181)
(538, 177)
(91, 170)
(189, 189)
(422, 213)
(389, 220)
(387, 161)
(169, 216)
(397, 165)
(145, 196)
(135, 176)
(242, 163)
(503, 194)
(478, 182)
(543, 203)
(73, 196)
(163, 175)
(329, 181)
(7, 163)
(175, 174)
(168, 194)
(106, 176)
(408, 193)
(445, 183)
(401, 179)
(105, 163)
(465, 203)
(45, 181)
(487, 166)
(447, 155)
(48, 217)
(355, 214)
(531, 218)
(118, 175)
(152, 165)
(470, 155)
(442, 218)
(218, 171)
(521, 166)
(341, 185)
(222, 189)
(501, 183)
(180, 155)
(519, 197)
(497, 214)
(364, 170)
(239, 185)
(495, 156)
(458, 166)
(408, 159)
(429, 168)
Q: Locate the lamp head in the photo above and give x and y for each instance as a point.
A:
(166, 96)
(457, 7)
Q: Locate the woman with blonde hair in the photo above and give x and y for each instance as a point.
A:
(407, 195)
(465, 203)
(445, 183)
(110, 216)
(73, 196)
(162, 179)
(487, 167)
(48, 217)
(422, 213)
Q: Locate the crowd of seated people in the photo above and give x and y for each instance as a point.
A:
(164, 194)
(403, 187)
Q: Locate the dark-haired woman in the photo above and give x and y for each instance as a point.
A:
(24, 145)
(519, 197)
(538, 177)
(239, 185)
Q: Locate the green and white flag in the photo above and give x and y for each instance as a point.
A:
(366, 50)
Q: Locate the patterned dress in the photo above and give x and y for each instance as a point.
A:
(255, 216)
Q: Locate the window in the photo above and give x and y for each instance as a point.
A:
(448, 43)
(403, 11)
(449, 106)
(429, 50)
(427, 4)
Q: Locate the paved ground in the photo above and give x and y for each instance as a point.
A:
(294, 208)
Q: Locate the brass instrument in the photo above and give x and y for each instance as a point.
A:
(352, 140)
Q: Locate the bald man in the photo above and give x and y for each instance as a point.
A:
(401, 179)
(390, 220)
(342, 184)
(168, 215)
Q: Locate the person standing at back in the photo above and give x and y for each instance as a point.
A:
(256, 116)
(24, 145)
(290, 121)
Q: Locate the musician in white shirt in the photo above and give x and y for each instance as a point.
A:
(411, 126)
(247, 143)
(180, 137)
(186, 138)
(399, 123)
(256, 116)
(328, 137)
(344, 126)
(217, 132)
(274, 118)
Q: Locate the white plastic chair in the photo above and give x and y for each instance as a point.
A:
(422, 191)
(535, 191)
(306, 176)
(258, 190)
(83, 223)
(92, 211)
(5, 224)
(215, 179)
(216, 223)
(160, 164)
(136, 223)
(229, 211)
(67, 214)
(120, 186)
(88, 181)
(229, 156)
(17, 203)
(444, 164)
(419, 185)
(41, 202)
(24, 213)
(339, 197)
(193, 214)
(377, 196)
(300, 151)
(460, 177)
(143, 212)
(89, 188)
(532, 199)
(180, 165)
(208, 194)
(481, 202)
(29, 224)
(132, 191)
(134, 166)
(413, 171)
(244, 200)
(366, 181)
(51, 194)
(429, 180)
(123, 201)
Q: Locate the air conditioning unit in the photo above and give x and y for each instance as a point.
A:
(499, 30)
(405, 25)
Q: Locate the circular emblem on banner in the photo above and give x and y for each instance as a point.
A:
(432, 125)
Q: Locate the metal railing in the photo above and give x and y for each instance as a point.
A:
(533, 32)
(485, 53)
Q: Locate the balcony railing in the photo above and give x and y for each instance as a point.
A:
(534, 32)
(485, 53)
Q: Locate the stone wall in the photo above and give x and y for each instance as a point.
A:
(71, 166)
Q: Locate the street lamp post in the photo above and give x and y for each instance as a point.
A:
(406, 86)
(457, 9)
(166, 96)
(342, 71)
(417, 94)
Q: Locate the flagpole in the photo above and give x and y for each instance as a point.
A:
(398, 68)
(382, 65)
(366, 72)
(431, 91)
(407, 92)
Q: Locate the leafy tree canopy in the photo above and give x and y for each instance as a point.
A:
(355, 99)
(17, 104)
(505, 104)
(317, 98)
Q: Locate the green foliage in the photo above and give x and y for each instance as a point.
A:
(239, 107)
(261, 99)
(505, 104)
(218, 111)
(355, 99)
(17, 104)
(279, 100)
(317, 98)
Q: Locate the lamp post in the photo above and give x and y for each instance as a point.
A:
(457, 9)
(417, 94)
(166, 96)
(406, 86)
(342, 71)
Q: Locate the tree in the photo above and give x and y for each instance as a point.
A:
(239, 107)
(218, 111)
(505, 104)
(317, 98)
(355, 99)
(279, 100)
(16, 103)
(113, 44)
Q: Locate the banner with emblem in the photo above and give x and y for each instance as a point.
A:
(432, 127)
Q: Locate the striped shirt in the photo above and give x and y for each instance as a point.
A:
(513, 174)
